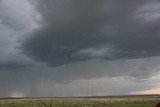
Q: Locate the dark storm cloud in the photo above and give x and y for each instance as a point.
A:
(74, 30)
(95, 38)
(11, 66)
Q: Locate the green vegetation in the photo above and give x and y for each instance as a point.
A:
(123, 101)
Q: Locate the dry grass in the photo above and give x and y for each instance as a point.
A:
(128, 101)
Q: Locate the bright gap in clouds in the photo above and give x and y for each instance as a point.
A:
(17, 94)
(152, 91)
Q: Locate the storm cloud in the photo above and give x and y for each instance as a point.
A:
(71, 47)
(74, 30)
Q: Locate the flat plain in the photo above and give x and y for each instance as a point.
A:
(99, 101)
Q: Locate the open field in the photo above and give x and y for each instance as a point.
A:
(112, 101)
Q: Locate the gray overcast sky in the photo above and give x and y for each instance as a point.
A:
(75, 47)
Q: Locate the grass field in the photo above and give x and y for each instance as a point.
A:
(116, 101)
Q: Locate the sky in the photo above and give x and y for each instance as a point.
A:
(62, 48)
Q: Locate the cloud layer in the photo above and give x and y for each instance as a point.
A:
(71, 47)
(82, 30)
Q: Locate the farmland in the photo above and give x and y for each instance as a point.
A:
(110, 101)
